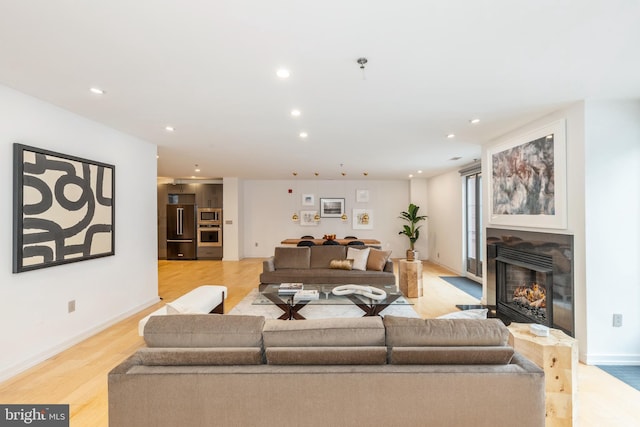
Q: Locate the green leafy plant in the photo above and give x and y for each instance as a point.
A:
(412, 231)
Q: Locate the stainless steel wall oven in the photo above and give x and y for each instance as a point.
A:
(209, 235)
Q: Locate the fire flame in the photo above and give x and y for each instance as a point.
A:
(534, 295)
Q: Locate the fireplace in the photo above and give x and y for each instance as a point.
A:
(532, 274)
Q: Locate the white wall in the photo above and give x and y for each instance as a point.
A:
(268, 207)
(34, 319)
(232, 216)
(612, 187)
(445, 221)
(418, 195)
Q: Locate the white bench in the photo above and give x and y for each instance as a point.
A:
(203, 299)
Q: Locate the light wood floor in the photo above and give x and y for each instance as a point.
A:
(78, 376)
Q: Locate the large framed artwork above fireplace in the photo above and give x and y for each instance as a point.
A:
(532, 274)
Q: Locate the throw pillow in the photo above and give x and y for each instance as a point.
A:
(359, 257)
(341, 264)
(377, 259)
(480, 313)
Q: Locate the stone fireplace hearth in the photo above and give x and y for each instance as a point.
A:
(532, 275)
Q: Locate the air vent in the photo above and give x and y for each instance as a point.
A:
(530, 260)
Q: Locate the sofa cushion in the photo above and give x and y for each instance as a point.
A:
(322, 255)
(359, 257)
(411, 332)
(204, 330)
(297, 257)
(341, 264)
(377, 259)
(200, 356)
(374, 355)
(333, 332)
(473, 355)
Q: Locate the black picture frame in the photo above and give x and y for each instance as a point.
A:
(331, 207)
(63, 209)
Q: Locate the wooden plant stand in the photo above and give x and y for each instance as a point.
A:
(557, 355)
(410, 281)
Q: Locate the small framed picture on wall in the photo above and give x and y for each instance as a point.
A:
(307, 218)
(362, 196)
(362, 219)
(331, 208)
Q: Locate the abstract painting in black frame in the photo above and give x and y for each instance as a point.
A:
(63, 209)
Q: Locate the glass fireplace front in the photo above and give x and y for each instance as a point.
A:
(525, 291)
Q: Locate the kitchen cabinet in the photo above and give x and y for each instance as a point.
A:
(209, 196)
(184, 194)
(209, 252)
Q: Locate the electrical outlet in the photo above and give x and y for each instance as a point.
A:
(617, 320)
(71, 306)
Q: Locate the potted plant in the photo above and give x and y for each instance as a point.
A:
(412, 231)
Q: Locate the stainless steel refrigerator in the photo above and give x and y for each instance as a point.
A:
(181, 232)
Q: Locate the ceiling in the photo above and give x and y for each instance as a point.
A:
(208, 68)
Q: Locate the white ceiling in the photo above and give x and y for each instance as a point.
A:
(208, 69)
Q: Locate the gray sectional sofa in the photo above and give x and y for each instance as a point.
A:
(313, 265)
(205, 370)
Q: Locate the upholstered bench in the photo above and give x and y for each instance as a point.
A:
(201, 300)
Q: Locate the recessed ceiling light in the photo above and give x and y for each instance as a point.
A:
(283, 73)
(303, 134)
(474, 121)
(97, 91)
(455, 158)
(295, 113)
(169, 128)
(410, 175)
(419, 171)
(451, 135)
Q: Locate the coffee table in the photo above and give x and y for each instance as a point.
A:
(290, 307)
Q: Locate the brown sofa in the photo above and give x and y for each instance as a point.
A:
(313, 265)
(204, 370)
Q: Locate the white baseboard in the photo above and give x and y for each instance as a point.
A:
(612, 359)
(448, 267)
(14, 370)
